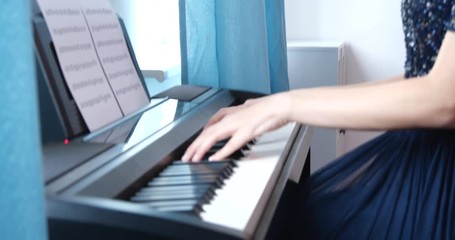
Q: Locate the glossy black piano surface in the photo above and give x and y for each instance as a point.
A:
(133, 186)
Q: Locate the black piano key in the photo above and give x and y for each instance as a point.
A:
(207, 192)
(189, 178)
(170, 193)
(234, 156)
(223, 169)
(221, 143)
(224, 141)
(246, 147)
(198, 167)
(229, 161)
(223, 174)
(191, 210)
(218, 146)
(237, 155)
(164, 197)
(156, 204)
(188, 206)
(186, 180)
(164, 189)
(218, 164)
(192, 206)
(216, 167)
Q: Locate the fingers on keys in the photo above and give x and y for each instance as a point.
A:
(235, 142)
(202, 144)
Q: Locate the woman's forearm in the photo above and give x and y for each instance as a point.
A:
(370, 83)
(385, 105)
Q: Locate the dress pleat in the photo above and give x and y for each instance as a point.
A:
(399, 185)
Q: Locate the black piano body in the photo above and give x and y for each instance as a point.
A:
(90, 176)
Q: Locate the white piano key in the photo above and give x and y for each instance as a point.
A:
(244, 194)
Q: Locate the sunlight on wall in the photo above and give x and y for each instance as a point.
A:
(157, 37)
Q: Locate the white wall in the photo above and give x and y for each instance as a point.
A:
(371, 29)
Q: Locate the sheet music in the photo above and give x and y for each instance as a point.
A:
(79, 62)
(95, 59)
(114, 55)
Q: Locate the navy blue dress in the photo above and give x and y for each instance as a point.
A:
(400, 185)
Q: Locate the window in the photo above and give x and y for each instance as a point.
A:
(153, 27)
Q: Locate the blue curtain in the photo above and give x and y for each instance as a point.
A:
(234, 44)
(21, 184)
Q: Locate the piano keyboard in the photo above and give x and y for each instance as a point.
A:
(183, 187)
(230, 193)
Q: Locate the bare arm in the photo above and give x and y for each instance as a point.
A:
(424, 102)
(370, 83)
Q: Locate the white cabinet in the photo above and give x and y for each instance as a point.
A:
(313, 64)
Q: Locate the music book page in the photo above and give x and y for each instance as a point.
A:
(79, 62)
(114, 55)
(94, 59)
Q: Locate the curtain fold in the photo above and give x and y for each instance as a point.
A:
(234, 44)
(21, 192)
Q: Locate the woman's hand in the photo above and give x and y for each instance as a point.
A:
(239, 123)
